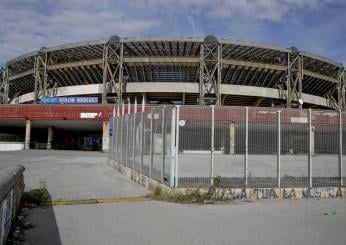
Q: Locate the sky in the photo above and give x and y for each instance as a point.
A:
(316, 26)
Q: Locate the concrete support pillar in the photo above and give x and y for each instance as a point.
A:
(341, 89)
(50, 137)
(27, 134)
(294, 78)
(112, 67)
(210, 71)
(231, 138)
(105, 136)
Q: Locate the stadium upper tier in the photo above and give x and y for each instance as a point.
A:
(190, 70)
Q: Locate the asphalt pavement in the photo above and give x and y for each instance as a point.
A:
(72, 175)
(82, 175)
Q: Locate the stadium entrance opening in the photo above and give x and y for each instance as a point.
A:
(83, 135)
(66, 140)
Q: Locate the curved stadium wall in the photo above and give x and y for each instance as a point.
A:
(176, 71)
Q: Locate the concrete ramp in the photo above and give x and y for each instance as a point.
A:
(71, 175)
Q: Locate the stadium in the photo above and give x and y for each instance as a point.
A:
(175, 71)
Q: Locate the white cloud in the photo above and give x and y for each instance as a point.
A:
(272, 10)
(27, 26)
(30, 24)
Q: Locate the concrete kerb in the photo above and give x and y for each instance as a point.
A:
(140, 179)
(238, 193)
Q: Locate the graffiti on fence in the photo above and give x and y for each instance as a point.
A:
(138, 178)
(322, 193)
(287, 193)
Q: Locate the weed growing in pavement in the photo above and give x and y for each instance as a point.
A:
(36, 197)
(214, 193)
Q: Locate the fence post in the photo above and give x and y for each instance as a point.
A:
(310, 148)
(129, 132)
(163, 132)
(112, 137)
(110, 145)
(121, 139)
(142, 143)
(115, 131)
(122, 133)
(127, 138)
(117, 135)
(134, 140)
(134, 132)
(176, 176)
(278, 174)
(151, 142)
(212, 145)
(246, 170)
(340, 148)
(172, 178)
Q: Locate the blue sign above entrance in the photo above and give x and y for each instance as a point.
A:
(69, 100)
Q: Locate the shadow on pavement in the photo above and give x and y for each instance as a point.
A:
(45, 230)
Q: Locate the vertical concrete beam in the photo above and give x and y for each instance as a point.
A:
(4, 85)
(40, 70)
(104, 73)
(50, 137)
(300, 81)
(294, 78)
(113, 69)
(105, 136)
(210, 71)
(341, 89)
(231, 138)
(27, 134)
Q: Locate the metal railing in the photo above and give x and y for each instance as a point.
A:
(189, 146)
(11, 138)
(11, 190)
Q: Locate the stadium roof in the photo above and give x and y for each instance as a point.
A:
(172, 60)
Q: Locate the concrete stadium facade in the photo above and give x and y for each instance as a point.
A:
(176, 70)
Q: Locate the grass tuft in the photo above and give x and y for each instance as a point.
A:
(36, 197)
(215, 193)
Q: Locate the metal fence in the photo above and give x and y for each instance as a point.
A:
(11, 190)
(189, 146)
